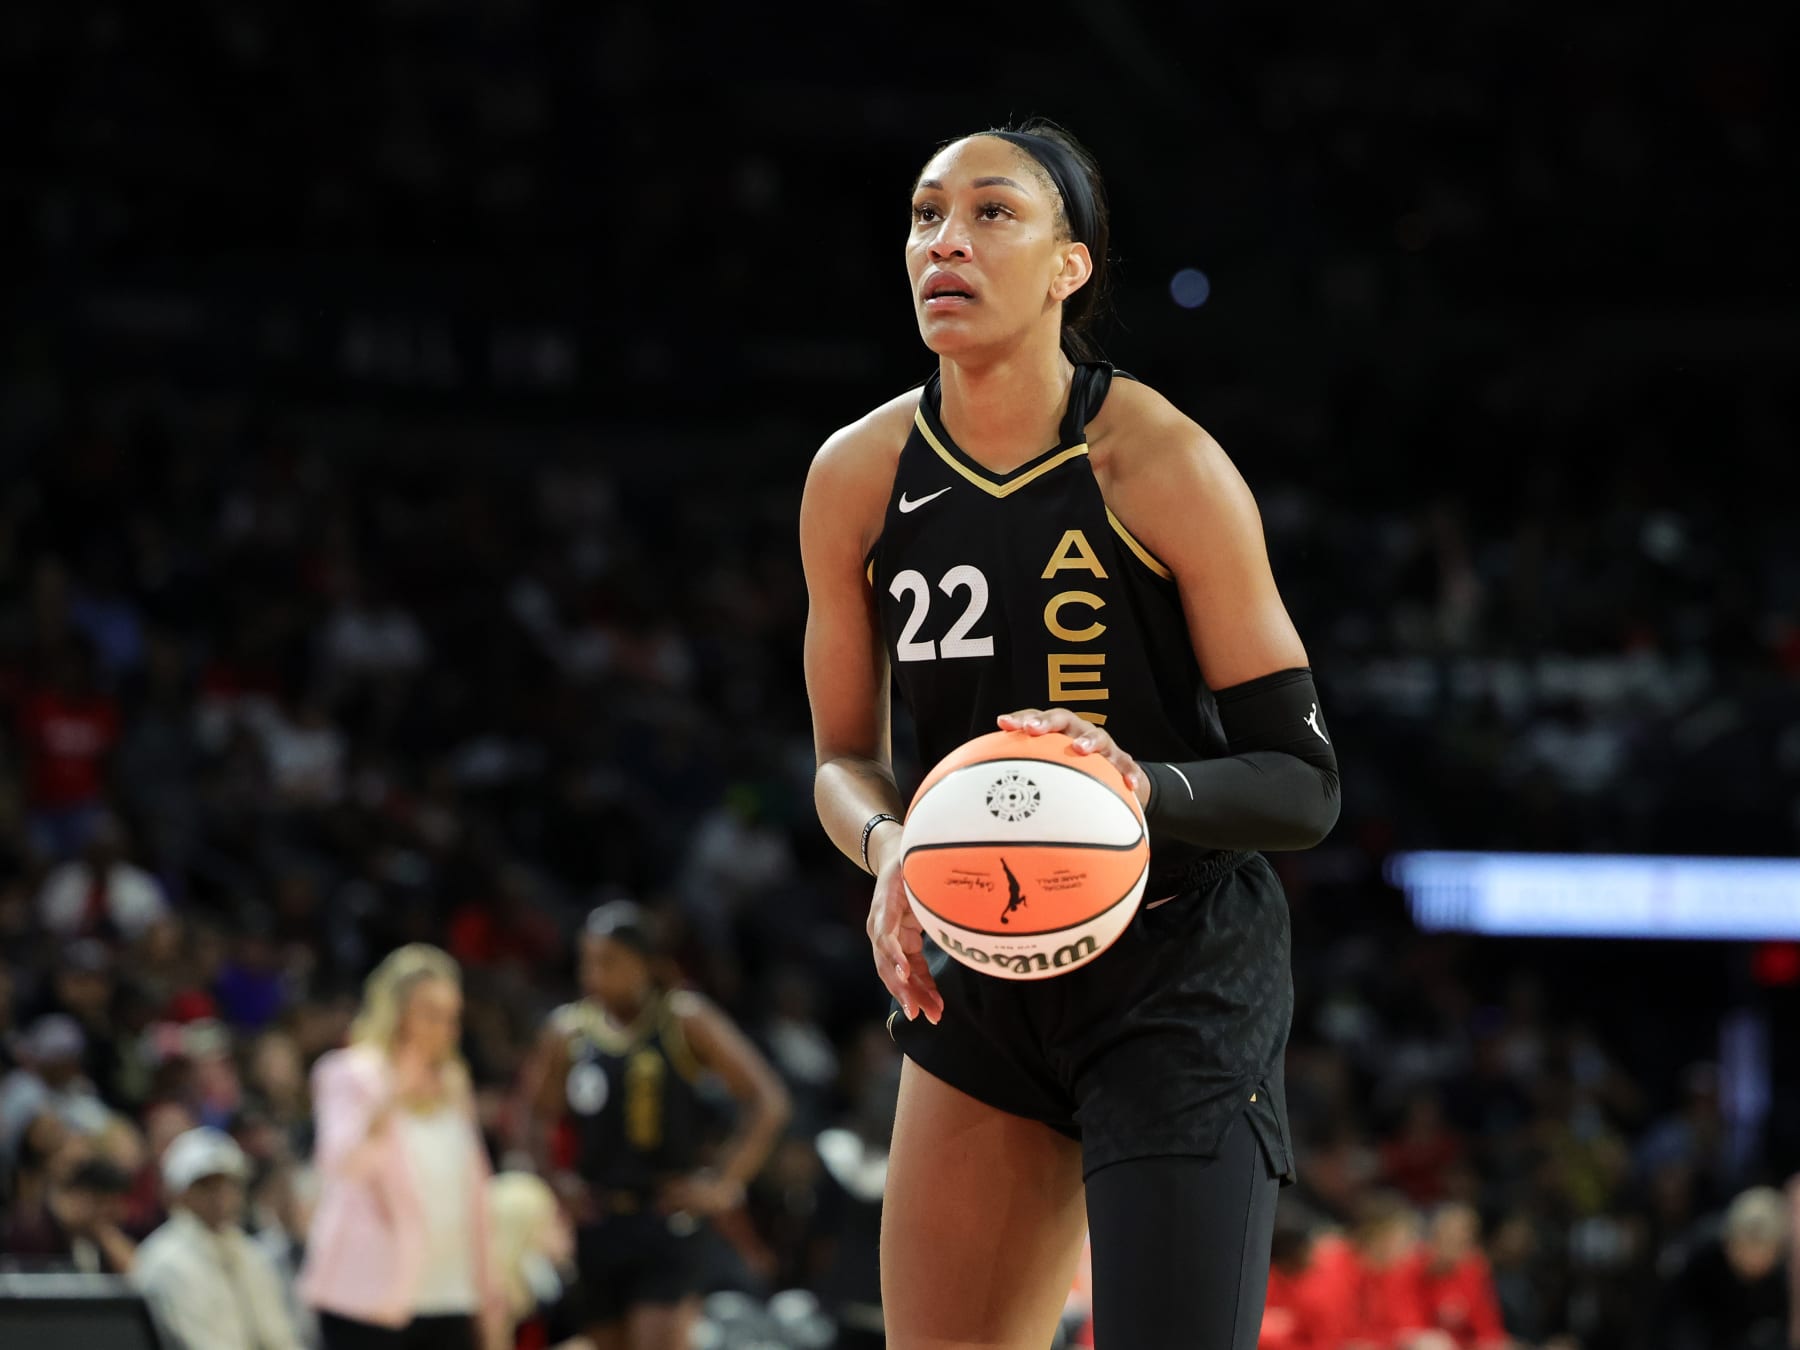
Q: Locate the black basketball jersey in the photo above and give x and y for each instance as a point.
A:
(1023, 590)
(631, 1093)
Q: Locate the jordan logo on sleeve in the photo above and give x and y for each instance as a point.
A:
(1312, 720)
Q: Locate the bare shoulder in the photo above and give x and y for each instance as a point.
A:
(1171, 485)
(565, 1020)
(1139, 432)
(687, 1004)
(852, 474)
(868, 447)
(701, 1023)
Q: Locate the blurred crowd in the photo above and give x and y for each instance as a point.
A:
(275, 709)
(295, 671)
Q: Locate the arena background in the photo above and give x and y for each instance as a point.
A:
(403, 412)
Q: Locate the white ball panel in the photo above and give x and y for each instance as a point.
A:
(1004, 801)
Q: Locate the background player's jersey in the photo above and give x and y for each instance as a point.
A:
(631, 1095)
(1022, 590)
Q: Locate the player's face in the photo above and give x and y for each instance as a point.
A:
(987, 255)
(614, 974)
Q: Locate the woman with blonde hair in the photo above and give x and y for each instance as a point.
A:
(534, 1249)
(398, 1256)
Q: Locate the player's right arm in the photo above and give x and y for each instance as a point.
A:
(546, 1074)
(847, 679)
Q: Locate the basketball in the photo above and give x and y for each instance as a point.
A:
(1023, 859)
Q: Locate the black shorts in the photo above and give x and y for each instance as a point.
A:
(627, 1260)
(422, 1333)
(1152, 1048)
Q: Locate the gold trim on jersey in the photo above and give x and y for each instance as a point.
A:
(1143, 554)
(987, 485)
(674, 1038)
(582, 1018)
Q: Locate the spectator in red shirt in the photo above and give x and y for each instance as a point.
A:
(1365, 1292)
(1298, 1312)
(1455, 1283)
(1393, 1315)
(1331, 1291)
(67, 729)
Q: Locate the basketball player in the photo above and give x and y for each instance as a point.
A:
(1035, 542)
(623, 1063)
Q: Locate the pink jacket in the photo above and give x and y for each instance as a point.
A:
(366, 1246)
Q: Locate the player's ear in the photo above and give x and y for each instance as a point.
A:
(1077, 267)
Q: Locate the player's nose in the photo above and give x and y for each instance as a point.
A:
(950, 241)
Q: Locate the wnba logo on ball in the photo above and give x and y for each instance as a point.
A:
(1013, 797)
(1071, 954)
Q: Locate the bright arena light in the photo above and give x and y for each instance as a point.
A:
(1601, 895)
(1190, 287)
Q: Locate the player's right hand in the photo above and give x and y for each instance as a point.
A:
(899, 942)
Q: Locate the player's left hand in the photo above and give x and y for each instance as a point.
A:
(701, 1194)
(1088, 740)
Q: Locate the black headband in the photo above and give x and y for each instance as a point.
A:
(1054, 159)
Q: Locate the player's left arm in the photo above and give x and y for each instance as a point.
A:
(763, 1101)
(1185, 501)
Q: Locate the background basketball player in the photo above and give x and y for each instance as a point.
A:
(622, 1063)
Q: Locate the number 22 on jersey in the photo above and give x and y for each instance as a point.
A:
(957, 642)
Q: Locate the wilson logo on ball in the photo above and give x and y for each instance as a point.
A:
(1021, 963)
(1013, 797)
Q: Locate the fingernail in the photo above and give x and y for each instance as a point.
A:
(1034, 724)
(1084, 742)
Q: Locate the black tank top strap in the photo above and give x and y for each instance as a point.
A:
(1087, 392)
(1081, 391)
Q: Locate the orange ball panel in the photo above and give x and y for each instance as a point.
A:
(1051, 887)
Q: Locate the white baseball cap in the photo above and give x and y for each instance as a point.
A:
(202, 1153)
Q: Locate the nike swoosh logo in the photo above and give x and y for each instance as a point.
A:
(915, 503)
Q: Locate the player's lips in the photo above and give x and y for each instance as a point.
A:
(946, 290)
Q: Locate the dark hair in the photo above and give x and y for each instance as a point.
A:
(1081, 194)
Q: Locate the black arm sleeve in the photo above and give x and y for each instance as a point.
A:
(1277, 789)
